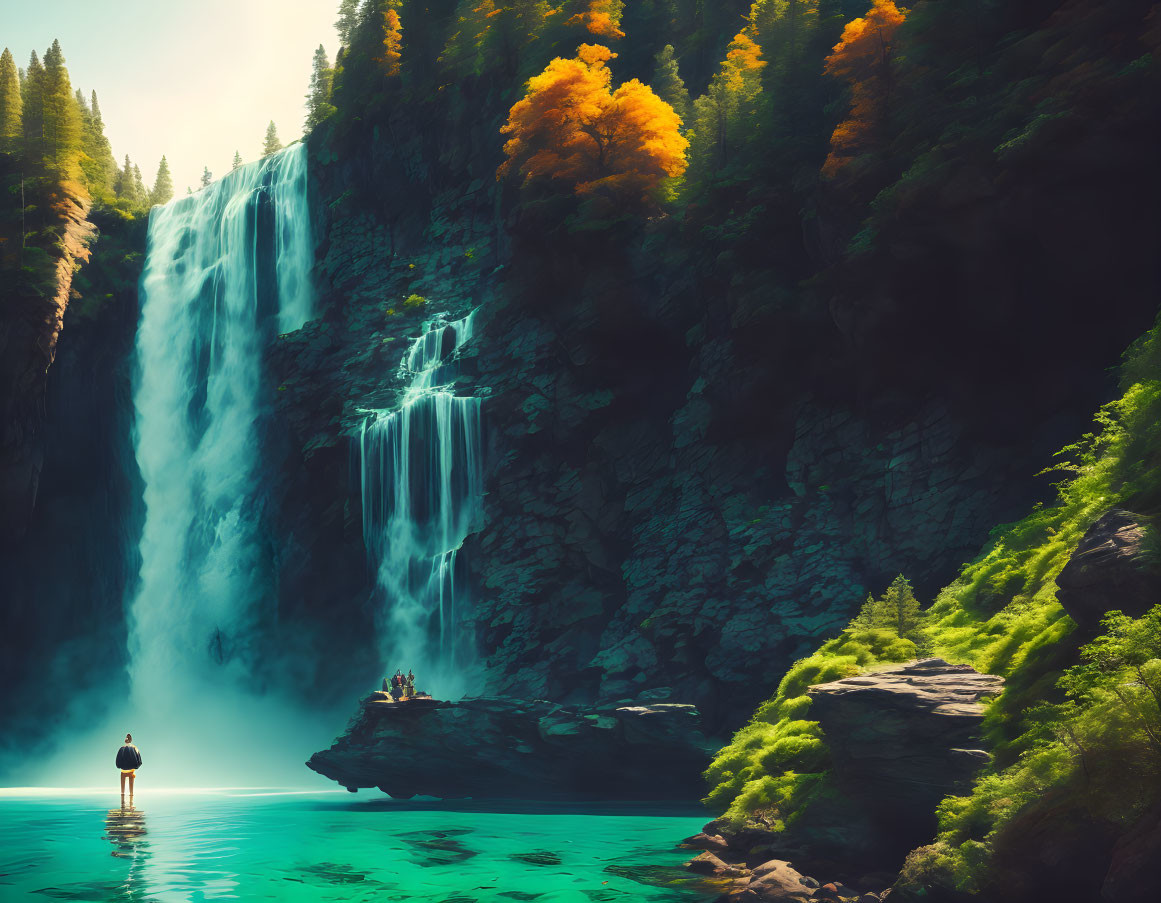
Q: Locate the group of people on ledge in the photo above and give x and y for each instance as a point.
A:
(401, 686)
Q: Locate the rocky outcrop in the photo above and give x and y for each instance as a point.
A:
(491, 748)
(1113, 568)
(905, 737)
(900, 740)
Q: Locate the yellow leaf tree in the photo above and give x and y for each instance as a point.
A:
(864, 58)
(392, 41)
(602, 18)
(572, 128)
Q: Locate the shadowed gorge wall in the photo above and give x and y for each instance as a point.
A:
(706, 431)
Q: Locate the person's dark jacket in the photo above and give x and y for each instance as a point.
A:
(128, 758)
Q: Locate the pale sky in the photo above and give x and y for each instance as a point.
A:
(192, 80)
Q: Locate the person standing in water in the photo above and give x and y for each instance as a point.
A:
(128, 760)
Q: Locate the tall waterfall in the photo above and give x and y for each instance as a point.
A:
(422, 488)
(225, 270)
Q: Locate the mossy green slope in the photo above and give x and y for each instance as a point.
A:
(1001, 616)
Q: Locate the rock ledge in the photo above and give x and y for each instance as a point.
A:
(502, 748)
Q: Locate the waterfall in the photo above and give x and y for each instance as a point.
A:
(225, 270)
(422, 488)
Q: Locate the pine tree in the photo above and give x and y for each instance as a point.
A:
(139, 186)
(667, 83)
(163, 184)
(867, 616)
(11, 104)
(318, 101)
(125, 184)
(97, 145)
(348, 20)
(237, 161)
(62, 117)
(900, 607)
(32, 119)
(271, 145)
(207, 177)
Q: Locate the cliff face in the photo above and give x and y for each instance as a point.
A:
(64, 572)
(690, 476)
(30, 328)
(697, 464)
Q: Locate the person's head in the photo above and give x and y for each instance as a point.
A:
(128, 738)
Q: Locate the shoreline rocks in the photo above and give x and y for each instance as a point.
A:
(502, 748)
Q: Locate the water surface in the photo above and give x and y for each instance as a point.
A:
(243, 845)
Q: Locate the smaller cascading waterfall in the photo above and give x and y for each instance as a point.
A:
(225, 270)
(422, 489)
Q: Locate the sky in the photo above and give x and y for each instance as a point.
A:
(193, 81)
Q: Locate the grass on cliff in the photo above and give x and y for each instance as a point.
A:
(773, 765)
(1093, 759)
(1001, 616)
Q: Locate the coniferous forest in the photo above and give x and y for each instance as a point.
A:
(741, 418)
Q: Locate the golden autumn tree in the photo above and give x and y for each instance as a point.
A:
(864, 58)
(602, 18)
(392, 41)
(573, 129)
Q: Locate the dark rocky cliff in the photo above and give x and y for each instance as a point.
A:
(691, 476)
(698, 461)
(63, 579)
(30, 329)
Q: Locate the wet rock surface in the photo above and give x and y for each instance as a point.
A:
(490, 748)
(1113, 568)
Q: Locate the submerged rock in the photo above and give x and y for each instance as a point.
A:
(1111, 569)
(494, 748)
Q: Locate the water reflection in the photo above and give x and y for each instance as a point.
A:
(125, 829)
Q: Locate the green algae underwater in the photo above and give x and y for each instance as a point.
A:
(269, 845)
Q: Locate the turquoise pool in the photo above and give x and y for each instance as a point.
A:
(259, 845)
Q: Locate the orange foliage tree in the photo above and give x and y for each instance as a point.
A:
(572, 128)
(603, 17)
(864, 59)
(392, 41)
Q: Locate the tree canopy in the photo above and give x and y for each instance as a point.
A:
(11, 104)
(573, 129)
(864, 58)
(318, 100)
